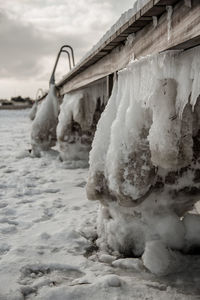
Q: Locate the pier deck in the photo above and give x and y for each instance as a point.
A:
(181, 31)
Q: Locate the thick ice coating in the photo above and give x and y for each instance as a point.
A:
(33, 111)
(144, 162)
(43, 134)
(80, 112)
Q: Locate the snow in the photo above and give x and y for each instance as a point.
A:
(48, 231)
(144, 160)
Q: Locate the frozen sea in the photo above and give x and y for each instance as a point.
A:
(48, 232)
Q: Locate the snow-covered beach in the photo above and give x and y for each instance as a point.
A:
(48, 232)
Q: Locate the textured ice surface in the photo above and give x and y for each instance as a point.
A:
(79, 114)
(43, 133)
(48, 229)
(145, 154)
(158, 258)
(192, 228)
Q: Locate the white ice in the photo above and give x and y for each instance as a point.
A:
(47, 229)
(144, 161)
(78, 116)
(43, 132)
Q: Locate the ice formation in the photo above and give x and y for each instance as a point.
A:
(159, 259)
(80, 112)
(144, 162)
(169, 20)
(33, 111)
(43, 134)
(192, 230)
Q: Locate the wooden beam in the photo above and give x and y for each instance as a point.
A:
(165, 2)
(184, 34)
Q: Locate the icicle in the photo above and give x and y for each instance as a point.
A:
(144, 160)
(195, 74)
(155, 21)
(130, 39)
(169, 20)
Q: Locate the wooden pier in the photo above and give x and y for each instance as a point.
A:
(181, 31)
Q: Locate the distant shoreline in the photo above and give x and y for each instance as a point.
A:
(10, 107)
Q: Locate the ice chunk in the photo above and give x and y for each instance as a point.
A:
(111, 280)
(106, 258)
(192, 228)
(165, 133)
(120, 231)
(157, 258)
(144, 162)
(43, 134)
(170, 229)
(33, 111)
(125, 17)
(128, 263)
(80, 112)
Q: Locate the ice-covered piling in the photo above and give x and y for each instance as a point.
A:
(80, 112)
(145, 157)
(43, 134)
(33, 111)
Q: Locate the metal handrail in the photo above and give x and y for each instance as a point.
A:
(40, 90)
(52, 78)
(69, 58)
(72, 52)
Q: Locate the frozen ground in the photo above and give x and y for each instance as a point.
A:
(48, 229)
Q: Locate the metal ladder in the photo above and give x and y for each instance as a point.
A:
(62, 49)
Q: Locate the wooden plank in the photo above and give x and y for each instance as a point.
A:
(145, 18)
(165, 2)
(138, 15)
(185, 26)
(117, 37)
(133, 29)
(109, 47)
(188, 44)
(112, 44)
(132, 20)
(146, 8)
(120, 39)
(185, 33)
(155, 11)
(141, 23)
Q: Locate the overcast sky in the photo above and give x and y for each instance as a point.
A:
(32, 31)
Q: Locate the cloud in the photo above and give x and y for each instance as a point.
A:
(32, 31)
(24, 47)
